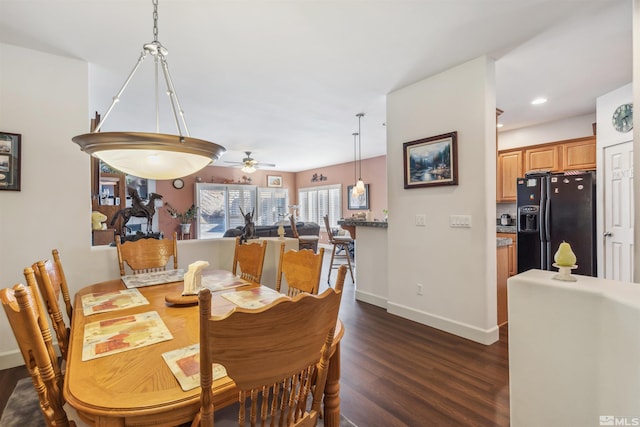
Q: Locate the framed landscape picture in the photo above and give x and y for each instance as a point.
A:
(431, 161)
(360, 202)
(10, 161)
(274, 181)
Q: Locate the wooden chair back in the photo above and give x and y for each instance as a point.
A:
(301, 270)
(274, 366)
(304, 242)
(51, 283)
(250, 258)
(147, 255)
(25, 320)
(328, 228)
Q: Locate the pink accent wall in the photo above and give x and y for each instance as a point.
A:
(374, 173)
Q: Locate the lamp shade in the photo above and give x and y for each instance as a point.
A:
(359, 188)
(150, 155)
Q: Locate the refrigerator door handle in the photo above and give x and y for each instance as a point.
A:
(547, 221)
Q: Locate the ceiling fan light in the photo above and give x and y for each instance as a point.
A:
(248, 169)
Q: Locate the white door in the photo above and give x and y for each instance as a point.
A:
(618, 210)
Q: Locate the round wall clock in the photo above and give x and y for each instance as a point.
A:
(622, 118)
(178, 183)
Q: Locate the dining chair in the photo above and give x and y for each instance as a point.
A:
(26, 321)
(250, 258)
(52, 282)
(301, 270)
(274, 366)
(340, 250)
(305, 241)
(147, 255)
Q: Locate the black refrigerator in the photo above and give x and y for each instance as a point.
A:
(552, 208)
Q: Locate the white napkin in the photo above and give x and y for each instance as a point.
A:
(193, 278)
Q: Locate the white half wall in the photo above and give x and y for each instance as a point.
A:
(456, 266)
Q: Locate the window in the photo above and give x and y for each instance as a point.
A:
(272, 205)
(316, 202)
(220, 206)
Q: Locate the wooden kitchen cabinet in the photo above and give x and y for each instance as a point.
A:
(579, 154)
(512, 252)
(502, 257)
(543, 157)
(509, 169)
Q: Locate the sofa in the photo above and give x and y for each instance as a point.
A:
(304, 229)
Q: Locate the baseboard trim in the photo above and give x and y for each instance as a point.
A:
(473, 333)
(370, 298)
(11, 359)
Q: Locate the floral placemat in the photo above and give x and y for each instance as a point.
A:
(110, 301)
(253, 298)
(111, 336)
(185, 365)
(155, 278)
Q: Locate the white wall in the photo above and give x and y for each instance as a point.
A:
(636, 131)
(456, 266)
(559, 130)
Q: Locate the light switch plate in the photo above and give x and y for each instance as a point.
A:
(421, 220)
(460, 221)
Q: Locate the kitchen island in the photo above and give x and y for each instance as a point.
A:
(371, 259)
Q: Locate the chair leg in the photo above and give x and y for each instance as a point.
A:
(346, 250)
(333, 254)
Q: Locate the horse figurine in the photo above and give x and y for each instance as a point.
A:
(137, 209)
(249, 229)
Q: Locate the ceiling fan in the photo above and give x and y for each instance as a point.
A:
(249, 164)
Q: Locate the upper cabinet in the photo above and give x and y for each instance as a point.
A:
(572, 154)
(579, 154)
(545, 157)
(509, 168)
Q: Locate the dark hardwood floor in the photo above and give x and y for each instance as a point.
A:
(396, 372)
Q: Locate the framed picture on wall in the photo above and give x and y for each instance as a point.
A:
(431, 161)
(274, 181)
(359, 202)
(10, 161)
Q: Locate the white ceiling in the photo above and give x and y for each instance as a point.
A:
(285, 79)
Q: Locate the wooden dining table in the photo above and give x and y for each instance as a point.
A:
(137, 387)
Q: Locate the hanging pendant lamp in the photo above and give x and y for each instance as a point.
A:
(354, 190)
(151, 155)
(359, 188)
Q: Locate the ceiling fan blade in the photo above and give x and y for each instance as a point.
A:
(270, 165)
(234, 163)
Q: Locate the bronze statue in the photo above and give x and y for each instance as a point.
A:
(249, 229)
(137, 209)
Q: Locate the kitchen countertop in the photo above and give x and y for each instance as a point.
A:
(506, 229)
(503, 241)
(358, 223)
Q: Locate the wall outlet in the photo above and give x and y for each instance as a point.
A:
(421, 220)
(419, 289)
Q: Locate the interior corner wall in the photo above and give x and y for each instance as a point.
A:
(456, 266)
(44, 98)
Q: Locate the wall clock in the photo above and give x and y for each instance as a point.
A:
(178, 183)
(622, 118)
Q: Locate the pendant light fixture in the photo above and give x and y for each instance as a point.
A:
(359, 188)
(354, 191)
(151, 155)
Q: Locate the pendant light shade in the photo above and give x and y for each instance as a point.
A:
(151, 155)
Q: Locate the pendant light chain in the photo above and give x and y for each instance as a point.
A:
(155, 20)
(355, 158)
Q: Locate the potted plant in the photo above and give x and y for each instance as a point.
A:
(185, 217)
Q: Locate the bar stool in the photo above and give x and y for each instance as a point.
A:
(340, 244)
